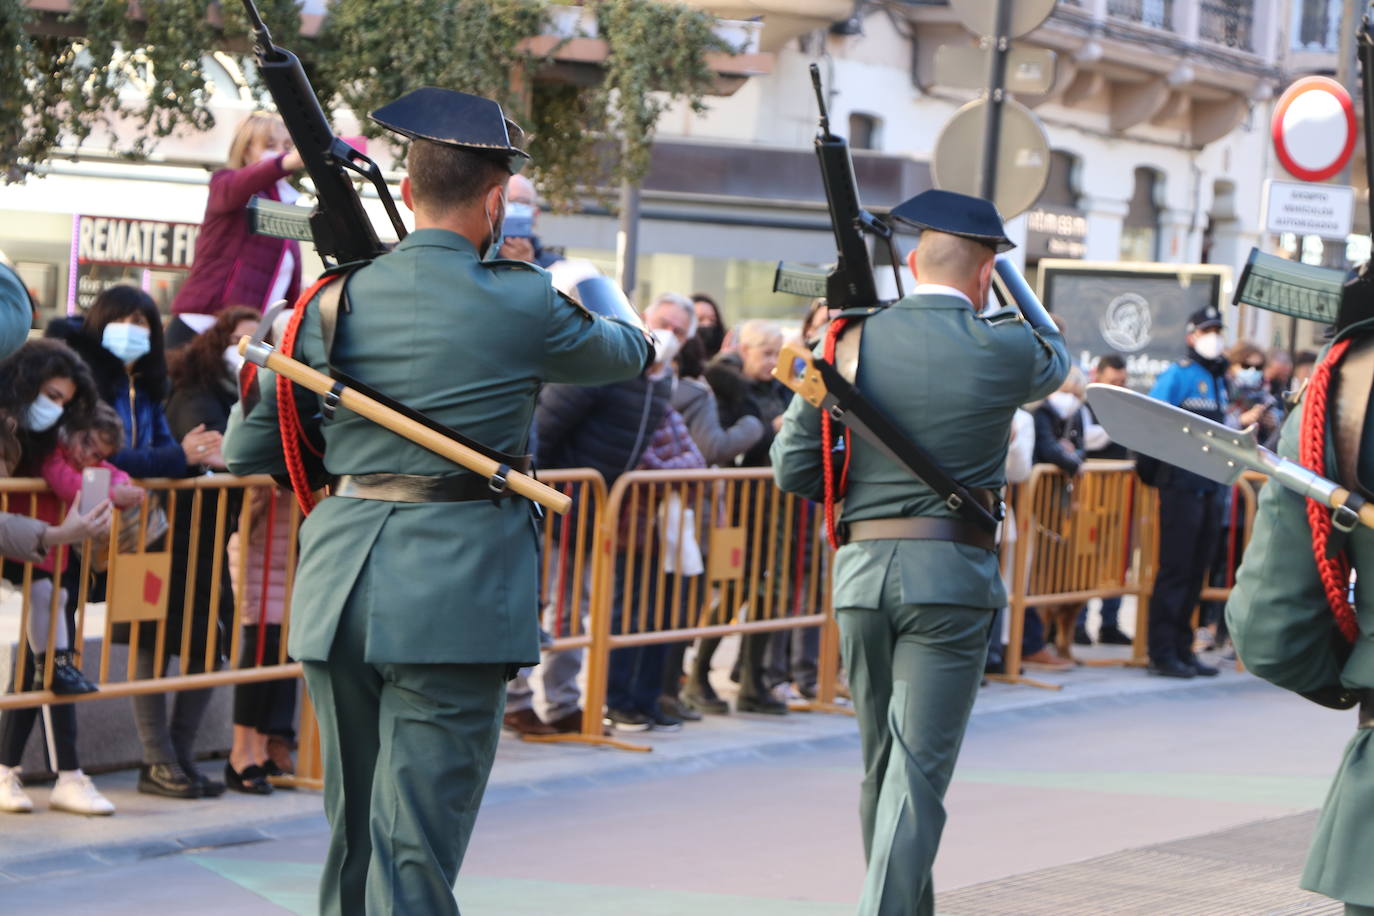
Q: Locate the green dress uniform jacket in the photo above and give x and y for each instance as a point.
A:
(953, 380)
(1285, 632)
(409, 616)
(469, 343)
(914, 615)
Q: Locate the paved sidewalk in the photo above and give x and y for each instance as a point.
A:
(145, 826)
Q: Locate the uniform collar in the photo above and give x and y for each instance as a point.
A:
(936, 295)
(437, 238)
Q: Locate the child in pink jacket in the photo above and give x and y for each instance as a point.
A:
(79, 449)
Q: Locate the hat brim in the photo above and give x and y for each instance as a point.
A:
(998, 243)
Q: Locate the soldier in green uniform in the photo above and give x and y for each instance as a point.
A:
(415, 597)
(915, 585)
(1290, 613)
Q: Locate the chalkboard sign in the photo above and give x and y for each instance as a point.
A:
(1137, 311)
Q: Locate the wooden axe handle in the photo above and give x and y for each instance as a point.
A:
(421, 435)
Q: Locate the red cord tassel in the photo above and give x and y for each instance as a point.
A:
(1335, 571)
(292, 432)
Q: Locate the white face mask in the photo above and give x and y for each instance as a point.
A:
(233, 359)
(43, 413)
(1064, 403)
(129, 342)
(1208, 346)
(666, 346)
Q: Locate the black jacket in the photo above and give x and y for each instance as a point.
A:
(605, 427)
(1050, 428)
(737, 396)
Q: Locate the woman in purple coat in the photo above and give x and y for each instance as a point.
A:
(234, 266)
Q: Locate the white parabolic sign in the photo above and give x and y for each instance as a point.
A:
(1306, 208)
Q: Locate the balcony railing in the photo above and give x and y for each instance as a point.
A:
(1230, 23)
(1158, 14)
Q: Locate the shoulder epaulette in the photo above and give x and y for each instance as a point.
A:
(859, 312)
(1002, 315)
(574, 303)
(511, 264)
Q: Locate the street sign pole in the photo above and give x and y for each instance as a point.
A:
(997, 77)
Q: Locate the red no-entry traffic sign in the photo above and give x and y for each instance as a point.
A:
(1314, 128)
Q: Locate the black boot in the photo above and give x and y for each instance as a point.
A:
(67, 679)
(698, 690)
(754, 695)
(166, 779)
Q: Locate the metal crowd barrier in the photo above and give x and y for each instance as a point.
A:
(707, 553)
(665, 557)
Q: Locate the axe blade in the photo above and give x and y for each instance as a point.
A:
(1174, 435)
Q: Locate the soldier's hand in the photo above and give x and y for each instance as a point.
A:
(517, 249)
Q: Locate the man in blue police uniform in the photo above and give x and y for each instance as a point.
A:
(1190, 506)
(416, 594)
(916, 584)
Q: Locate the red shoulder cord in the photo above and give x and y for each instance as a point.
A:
(1335, 571)
(292, 434)
(832, 491)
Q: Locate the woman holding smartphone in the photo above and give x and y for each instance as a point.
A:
(42, 385)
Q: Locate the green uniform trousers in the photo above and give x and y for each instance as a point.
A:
(914, 671)
(407, 750)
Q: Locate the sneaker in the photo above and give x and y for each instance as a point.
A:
(1201, 669)
(77, 794)
(1081, 637)
(1204, 640)
(627, 720)
(662, 722)
(12, 797)
(672, 706)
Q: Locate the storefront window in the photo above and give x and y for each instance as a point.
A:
(744, 289)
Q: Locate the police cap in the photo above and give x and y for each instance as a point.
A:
(954, 214)
(1208, 319)
(456, 119)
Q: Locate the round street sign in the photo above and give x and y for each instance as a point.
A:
(1023, 159)
(980, 16)
(1314, 128)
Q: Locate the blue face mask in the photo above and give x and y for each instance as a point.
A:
(127, 341)
(43, 414)
(1249, 377)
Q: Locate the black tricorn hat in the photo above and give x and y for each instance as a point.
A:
(456, 119)
(955, 214)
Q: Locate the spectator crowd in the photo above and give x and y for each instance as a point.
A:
(116, 389)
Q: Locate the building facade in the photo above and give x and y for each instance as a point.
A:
(1156, 117)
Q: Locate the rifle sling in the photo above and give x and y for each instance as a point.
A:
(330, 300)
(913, 458)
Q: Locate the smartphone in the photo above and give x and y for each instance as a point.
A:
(517, 227)
(95, 488)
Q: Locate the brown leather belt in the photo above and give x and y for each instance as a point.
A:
(415, 488)
(1366, 708)
(920, 528)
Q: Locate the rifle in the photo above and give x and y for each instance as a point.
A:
(849, 283)
(339, 225)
